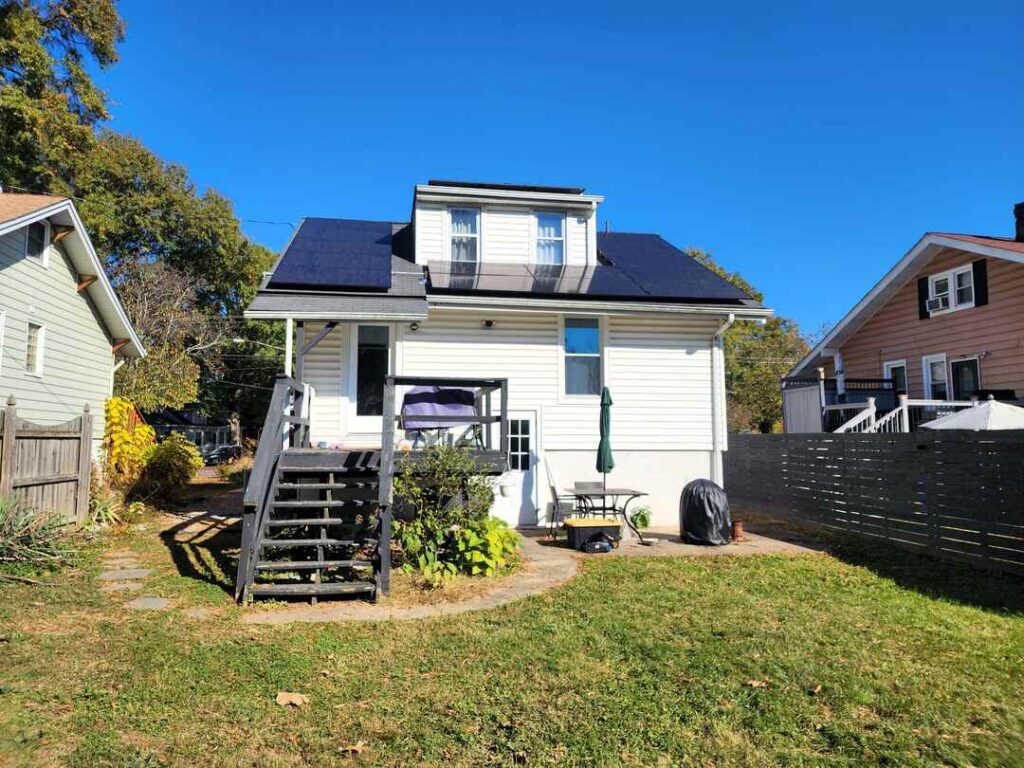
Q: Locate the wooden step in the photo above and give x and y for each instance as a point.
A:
(322, 503)
(348, 484)
(276, 543)
(303, 590)
(283, 522)
(310, 565)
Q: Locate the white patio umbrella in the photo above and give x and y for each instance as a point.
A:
(990, 414)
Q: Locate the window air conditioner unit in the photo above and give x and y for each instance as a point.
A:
(938, 303)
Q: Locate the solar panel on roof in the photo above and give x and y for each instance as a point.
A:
(664, 271)
(536, 279)
(337, 253)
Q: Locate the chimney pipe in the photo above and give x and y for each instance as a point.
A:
(1018, 214)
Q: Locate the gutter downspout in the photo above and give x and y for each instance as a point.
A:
(718, 441)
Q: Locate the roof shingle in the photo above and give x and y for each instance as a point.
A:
(15, 204)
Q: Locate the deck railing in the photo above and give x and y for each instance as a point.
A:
(907, 416)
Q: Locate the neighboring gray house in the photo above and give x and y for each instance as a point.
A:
(62, 328)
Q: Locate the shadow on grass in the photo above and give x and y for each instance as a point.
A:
(931, 576)
(204, 545)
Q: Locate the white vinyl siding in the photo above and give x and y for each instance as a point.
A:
(659, 373)
(77, 357)
(430, 231)
(323, 372)
(507, 235)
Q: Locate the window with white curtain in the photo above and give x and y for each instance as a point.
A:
(465, 234)
(550, 238)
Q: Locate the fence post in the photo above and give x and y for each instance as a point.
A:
(84, 466)
(871, 415)
(8, 454)
(904, 413)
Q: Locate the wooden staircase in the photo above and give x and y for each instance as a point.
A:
(318, 536)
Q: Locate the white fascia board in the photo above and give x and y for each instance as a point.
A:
(101, 292)
(395, 317)
(430, 194)
(503, 304)
(893, 280)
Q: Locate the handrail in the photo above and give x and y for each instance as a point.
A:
(865, 420)
(274, 438)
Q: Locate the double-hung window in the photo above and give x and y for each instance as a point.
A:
(952, 290)
(37, 240)
(582, 352)
(550, 238)
(465, 235)
(34, 349)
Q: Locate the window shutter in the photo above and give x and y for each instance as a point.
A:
(922, 298)
(980, 276)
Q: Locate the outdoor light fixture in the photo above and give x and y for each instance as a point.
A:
(414, 326)
(488, 323)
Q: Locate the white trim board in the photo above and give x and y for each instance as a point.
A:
(923, 251)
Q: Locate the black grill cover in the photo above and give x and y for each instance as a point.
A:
(704, 514)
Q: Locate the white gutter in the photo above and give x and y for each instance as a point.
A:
(718, 438)
(589, 307)
(289, 332)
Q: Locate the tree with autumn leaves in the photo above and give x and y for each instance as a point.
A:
(176, 255)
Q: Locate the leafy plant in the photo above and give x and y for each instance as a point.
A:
(641, 517)
(29, 537)
(452, 531)
(128, 442)
(170, 465)
(485, 547)
(106, 508)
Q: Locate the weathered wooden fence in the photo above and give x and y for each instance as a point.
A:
(954, 494)
(47, 466)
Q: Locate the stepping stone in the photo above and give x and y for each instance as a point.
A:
(149, 604)
(121, 586)
(199, 613)
(125, 573)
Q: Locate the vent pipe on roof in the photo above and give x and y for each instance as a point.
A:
(1018, 214)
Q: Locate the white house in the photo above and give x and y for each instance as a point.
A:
(516, 282)
(62, 328)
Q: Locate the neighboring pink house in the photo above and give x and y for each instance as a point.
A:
(945, 323)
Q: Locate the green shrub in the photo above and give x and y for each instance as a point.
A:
(452, 531)
(170, 465)
(641, 517)
(32, 538)
(485, 547)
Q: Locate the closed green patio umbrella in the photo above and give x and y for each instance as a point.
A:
(605, 462)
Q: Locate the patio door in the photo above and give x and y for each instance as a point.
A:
(519, 507)
(370, 357)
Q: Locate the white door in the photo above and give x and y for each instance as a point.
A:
(517, 502)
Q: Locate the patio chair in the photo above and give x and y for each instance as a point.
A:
(563, 505)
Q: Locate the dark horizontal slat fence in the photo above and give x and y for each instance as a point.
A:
(958, 495)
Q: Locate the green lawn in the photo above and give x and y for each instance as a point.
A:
(876, 658)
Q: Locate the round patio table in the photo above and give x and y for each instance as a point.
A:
(587, 496)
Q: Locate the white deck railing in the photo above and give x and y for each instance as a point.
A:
(905, 417)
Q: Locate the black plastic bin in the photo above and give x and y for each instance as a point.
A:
(582, 530)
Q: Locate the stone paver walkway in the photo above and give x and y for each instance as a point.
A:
(124, 574)
(546, 567)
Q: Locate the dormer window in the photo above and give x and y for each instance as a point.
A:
(952, 290)
(550, 247)
(37, 240)
(465, 235)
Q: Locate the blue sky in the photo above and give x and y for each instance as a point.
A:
(807, 145)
